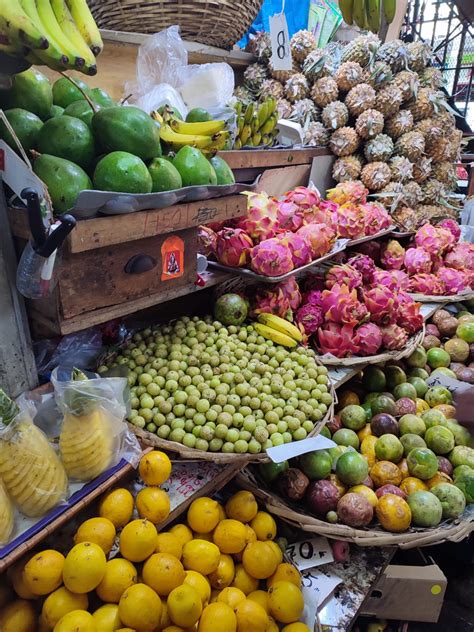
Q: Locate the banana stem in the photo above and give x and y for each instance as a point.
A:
(84, 94)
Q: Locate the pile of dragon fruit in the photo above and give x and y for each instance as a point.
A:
(281, 235)
(435, 262)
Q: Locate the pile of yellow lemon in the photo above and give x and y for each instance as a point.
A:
(221, 571)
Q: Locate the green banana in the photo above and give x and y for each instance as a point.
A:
(255, 124)
(359, 13)
(249, 113)
(269, 125)
(256, 139)
(240, 125)
(372, 11)
(246, 134)
(347, 7)
(389, 10)
(262, 113)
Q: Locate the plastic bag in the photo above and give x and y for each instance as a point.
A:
(163, 94)
(7, 520)
(206, 85)
(93, 433)
(30, 469)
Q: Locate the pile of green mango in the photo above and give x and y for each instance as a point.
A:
(78, 144)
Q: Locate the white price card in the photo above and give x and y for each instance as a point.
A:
(316, 586)
(280, 40)
(310, 553)
(291, 450)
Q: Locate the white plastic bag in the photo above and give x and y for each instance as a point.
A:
(163, 94)
(206, 86)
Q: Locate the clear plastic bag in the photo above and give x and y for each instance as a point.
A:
(206, 85)
(79, 349)
(7, 519)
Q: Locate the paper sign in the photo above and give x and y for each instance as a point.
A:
(316, 589)
(310, 553)
(280, 40)
(290, 450)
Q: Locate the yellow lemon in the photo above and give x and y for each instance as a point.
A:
(84, 567)
(261, 597)
(43, 572)
(155, 468)
(224, 573)
(201, 556)
(286, 602)
(272, 625)
(17, 579)
(77, 620)
(169, 543)
(367, 449)
(200, 583)
(203, 514)
(231, 596)
(184, 606)
(244, 581)
(140, 608)
(296, 627)
(125, 630)
(101, 531)
(264, 526)
(153, 503)
(18, 616)
(117, 506)
(106, 618)
(251, 535)
(277, 550)
(251, 617)
(119, 575)
(222, 513)
(138, 540)
(165, 617)
(163, 572)
(217, 617)
(230, 536)
(259, 560)
(182, 532)
(285, 572)
(365, 491)
(59, 603)
(242, 506)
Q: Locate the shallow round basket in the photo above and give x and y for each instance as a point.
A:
(218, 23)
(447, 531)
(454, 298)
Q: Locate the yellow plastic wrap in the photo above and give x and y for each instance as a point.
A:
(6, 516)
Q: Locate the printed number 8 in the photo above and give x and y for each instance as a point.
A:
(281, 40)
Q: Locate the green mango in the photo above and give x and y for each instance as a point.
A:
(127, 129)
(56, 110)
(65, 92)
(224, 173)
(69, 138)
(81, 110)
(101, 97)
(64, 179)
(198, 115)
(31, 91)
(26, 126)
(122, 172)
(194, 167)
(164, 175)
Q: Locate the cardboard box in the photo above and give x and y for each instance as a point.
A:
(409, 593)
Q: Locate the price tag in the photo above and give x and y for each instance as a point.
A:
(280, 40)
(316, 587)
(291, 450)
(310, 553)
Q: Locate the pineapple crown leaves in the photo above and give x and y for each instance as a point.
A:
(83, 398)
(8, 408)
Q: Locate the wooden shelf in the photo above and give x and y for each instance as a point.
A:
(270, 158)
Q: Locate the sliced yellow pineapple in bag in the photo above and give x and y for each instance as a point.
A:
(6, 516)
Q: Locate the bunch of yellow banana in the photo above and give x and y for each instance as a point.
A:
(279, 330)
(61, 34)
(367, 13)
(256, 123)
(209, 136)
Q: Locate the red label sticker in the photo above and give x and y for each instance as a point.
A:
(172, 257)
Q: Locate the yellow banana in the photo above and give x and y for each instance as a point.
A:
(263, 113)
(389, 9)
(276, 336)
(71, 32)
(257, 139)
(49, 21)
(372, 11)
(18, 28)
(282, 325)
(358, 13)
(238, 144)
(269, 125)
(53, 56)
(246, 134)
(255, 124)
(86, 24)
(346, 7)
(205, 128)
(272, 105)
(249, 113)
(172, 137)
(240, 124)
(238, 107)
(267, 139)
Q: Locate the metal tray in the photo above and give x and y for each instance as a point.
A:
(401, 234)
(361, 240)
(339, 246)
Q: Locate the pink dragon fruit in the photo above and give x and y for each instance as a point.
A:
(350, 221)
(261, 221)
(271, 301)
(428, 284)
(417, 260)
(364, 265)
(313, 297)
(338, 340)
(207, 240)
(341, 305)
(233, 247)
(291, 291)
(393, 254)
(461, 257)
(402, 279)
(271, 258)
(303, 197)
(376, 218)
(394, 337)
(434, 239)
(301, 251)
(452, 226)
(368, 339)
(386, 277)
(310, 317)
(325, 212)
(320, 237)
(382, 304)
(343, 275)
(289, 216)
(409, 316)
(454, 280)
(437, 262)
(353, 191)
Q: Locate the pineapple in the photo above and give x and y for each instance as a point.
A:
(347, 168)
(316, 135)
(335, 115)
(361, 50)
(432, 212)
(423, 105)
(379, 148)
(296, 88)
(430, 130)
(376, 175)
(6, 515)
(391, 196)
(284, 108)
(446, 120)
(318, 64)
(378, 75)
(454, 145)
(360, 98)
(438, 151)
(348, 75)
(241, 93)
(254, 76)
(433, 191)
(401, 168)
(301, 44)
(412, 193)
(388, 100)
(344, 141)
(305, 111)
(419, 54)
(260, 45)
(431, 78)
(393, 53)
(272, 88)
(445, 172)
(408, 83)
(406, 218)
(369, 124)
(411, 145)
(283, 75)
(422, 170)
(324, 91)
(400, 123)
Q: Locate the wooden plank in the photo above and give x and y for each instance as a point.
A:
(276, 182)
(253, 158)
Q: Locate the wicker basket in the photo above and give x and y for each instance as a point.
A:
(218, 23)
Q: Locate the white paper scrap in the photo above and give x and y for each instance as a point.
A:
(316, 589)
(291, 450)
(310, 553)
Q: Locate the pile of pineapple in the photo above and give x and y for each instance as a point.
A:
(379, 109)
